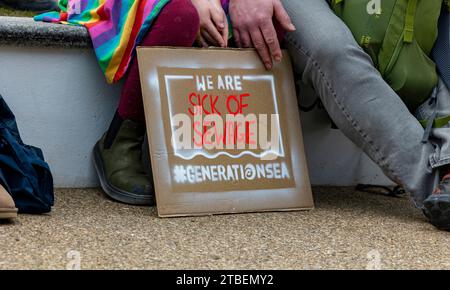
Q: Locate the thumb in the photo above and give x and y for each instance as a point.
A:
(217, 18)
(225, 30)
(282, 16)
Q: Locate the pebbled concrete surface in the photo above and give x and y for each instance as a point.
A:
(22, 31)
(347, 230)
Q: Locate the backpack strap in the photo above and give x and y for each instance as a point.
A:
(410, 16)
(438, 122)
(408, 30)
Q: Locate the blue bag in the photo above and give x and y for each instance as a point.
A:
(23, 171)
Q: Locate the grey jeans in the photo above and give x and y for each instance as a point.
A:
(362, 104)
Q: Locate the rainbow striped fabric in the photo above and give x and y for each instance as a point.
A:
(115, 27)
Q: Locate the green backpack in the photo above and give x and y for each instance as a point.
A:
(399, 36)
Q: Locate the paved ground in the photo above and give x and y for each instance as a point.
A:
(347, 230)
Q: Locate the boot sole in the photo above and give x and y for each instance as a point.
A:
(114, 192)
(437, 209)
(8, 213)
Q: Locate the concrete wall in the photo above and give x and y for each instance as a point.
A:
(63, 105)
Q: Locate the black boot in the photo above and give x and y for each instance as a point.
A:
(437, 206)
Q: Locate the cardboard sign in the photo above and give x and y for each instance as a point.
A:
(224, 133)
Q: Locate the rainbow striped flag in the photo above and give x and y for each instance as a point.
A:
(115, 27)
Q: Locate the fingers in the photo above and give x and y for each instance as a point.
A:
(282, 16)
(202, 41)
(263, 50)
(209, 39)
(271, 39)
(220, 20)
(211, 29)
(225, 31)
(246, 41)
(237, 38)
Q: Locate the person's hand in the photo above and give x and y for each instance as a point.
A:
(253, 26)
(213, 23)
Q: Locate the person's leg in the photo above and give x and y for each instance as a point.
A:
(440, 134)
(177, 25)
(118, 155)
(358, 100)
(437, 205)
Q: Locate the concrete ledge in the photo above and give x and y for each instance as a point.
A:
(63, 105)
(21, 31)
